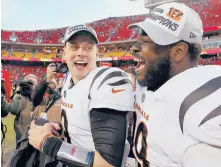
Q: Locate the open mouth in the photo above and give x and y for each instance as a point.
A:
(80, 64)
(139, 65)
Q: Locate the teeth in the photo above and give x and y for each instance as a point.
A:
(136, 59)
(81, 62)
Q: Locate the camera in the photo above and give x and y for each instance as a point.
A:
(25, 88)
(61, 67)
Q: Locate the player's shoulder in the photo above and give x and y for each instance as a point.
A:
(185, 83)
(108, 76)
(113, 71)
(111, 88)
(194, 95)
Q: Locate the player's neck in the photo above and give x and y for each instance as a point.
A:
(179, 68)
(75, 79)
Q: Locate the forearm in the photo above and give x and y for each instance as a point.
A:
(99, 161)
(109, 139)
(72, 155)
(38, 93)
(69, 154)
(63, 152)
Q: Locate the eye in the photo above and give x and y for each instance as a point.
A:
(74, 47)
(144, 41)
(88, 48)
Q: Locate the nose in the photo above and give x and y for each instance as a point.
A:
(81, 53)
(135, 49)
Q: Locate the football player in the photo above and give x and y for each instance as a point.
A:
(95, 103)
(178, 104)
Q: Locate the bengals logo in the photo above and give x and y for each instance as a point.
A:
(175, 14)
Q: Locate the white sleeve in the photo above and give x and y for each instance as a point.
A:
(112, 91)
(202, 155)
(204, 120)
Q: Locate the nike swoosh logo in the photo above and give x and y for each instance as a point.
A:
(117, 91)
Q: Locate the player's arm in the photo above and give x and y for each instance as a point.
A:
(109, 133)
(204, 126)
(108, 129)
(111, 98)
(202, 155)
(208, 151)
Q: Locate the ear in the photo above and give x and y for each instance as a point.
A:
(179, 51)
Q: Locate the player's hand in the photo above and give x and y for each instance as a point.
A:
(37, 133)
(51, 72)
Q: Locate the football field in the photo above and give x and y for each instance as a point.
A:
(8, 145)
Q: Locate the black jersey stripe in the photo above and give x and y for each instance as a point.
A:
(216, 112)
(121, 82)
(197, 95)
(112, 75)
(94, 79)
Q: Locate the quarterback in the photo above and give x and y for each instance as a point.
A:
(178, 104)
(95, 103)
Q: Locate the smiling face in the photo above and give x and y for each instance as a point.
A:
(80, 55)
(152, 63)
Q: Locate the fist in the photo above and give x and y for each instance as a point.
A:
(37, 133)
(51, 72)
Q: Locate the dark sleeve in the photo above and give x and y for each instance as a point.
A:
(108, 129)
(4, 107)
(16, 105)
(38, 93)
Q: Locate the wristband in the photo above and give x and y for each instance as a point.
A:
(44, 140)
(75, 153)
(69, 154)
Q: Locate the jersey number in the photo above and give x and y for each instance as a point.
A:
(142, 154)
(66, 134)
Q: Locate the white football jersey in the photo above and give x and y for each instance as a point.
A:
(183, 112)
(101, 88)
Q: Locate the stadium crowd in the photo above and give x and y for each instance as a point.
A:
(18, 71)
(115, 28)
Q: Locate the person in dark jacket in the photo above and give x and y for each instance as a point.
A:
(21, 104)
(47, 85)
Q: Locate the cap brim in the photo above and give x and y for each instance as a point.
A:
(85, 31)
(158, 35)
